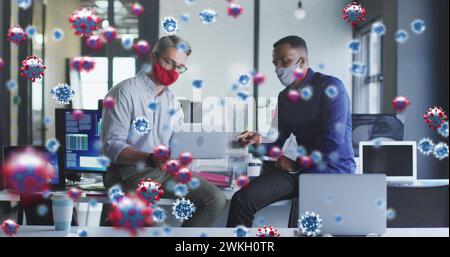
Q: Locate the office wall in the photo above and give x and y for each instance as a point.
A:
(423, 74)
(326, 34)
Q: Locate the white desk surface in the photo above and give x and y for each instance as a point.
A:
(48, 231)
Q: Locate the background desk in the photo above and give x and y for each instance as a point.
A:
(48, 231)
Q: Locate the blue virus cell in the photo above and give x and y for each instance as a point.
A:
(301, 151)
(418, 26)
(426, 146)
(98, 145)
(316, 157)
(31, 31)
(259, 221)
(333, 157)
(198, 83)
(170, 25)
(329, 199)
(141, 125)
(321, 66)
(115, 194)
(172, 112)
(194, 183)
(159, 215)
(234, 87)
(358, 69)
(47, 121)
(401, 36)
(62, 93)
(170, 185)
(153, 106)
(306, 93)
(354, 46)
(440, 151)
(24, 4)
(42, 210)
(146, 67)
(203, 234)
(82, 232)
(310, 224)
(390, 214)
(181, 190)
(103, 161)
(167, 230)
(331, 91)
(379, 29)
(11, 85)
(185, 17)
(52, 145)
(338, 219)
(208, 16)
(183, 209)
(241, 231)
(183, 47)
(189, 1)
(244, 79)
(57, 35)
(155, 232)
(380, 203)
(127, 42)
(243, 95)
(443, 130)
(92, 203)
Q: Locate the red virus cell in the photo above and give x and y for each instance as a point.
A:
(293, 96)
(131, 213)
(299, 74)
(354, 13)
(10, 227)
(235, 10)
(161, 152)
(27, 172)
(141, 47)
(88, 64)
(172, 166)
(110, 34)
(85, 21)
(185, 158)
(16, 35)
(258, 78)
(305, 162)
(435, 117)
(275, 152)
(74, 194)
(76, 63)
(136, 9)
(32, 68)
(77, 115)
(267, 232)
(2, 64)
(183, 175)
(400, 103)
(149, 191)
(109, 102)
(95, 42)
(242, 181)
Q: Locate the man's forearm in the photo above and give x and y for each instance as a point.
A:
(131, 156)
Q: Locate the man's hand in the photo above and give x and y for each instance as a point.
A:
(286, 164)
(249, 138)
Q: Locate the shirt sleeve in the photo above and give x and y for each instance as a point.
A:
(116, 123)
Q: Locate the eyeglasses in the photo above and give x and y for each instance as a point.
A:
(171, 65)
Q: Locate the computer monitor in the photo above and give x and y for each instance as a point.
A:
(396, 159)
(80, 141)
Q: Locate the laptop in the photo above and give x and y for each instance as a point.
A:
(396, 159)
(202, 145)
(348, 204)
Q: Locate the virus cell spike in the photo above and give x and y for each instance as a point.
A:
(208, 16)
(435, 117)
(95, 42)
(170, 25)
(62, 93)
(16, 35)
(400, 103)
(131, 213)
(267, 232)
(85, 21)
(10, 227)
(149, 191)
(440, 151)
(159, 215)
(235, 10)
(354, 13)
(115, 194)
(141, 125)
(183, 209)
(310, 224)
(32, 68)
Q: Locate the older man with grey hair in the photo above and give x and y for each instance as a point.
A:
(130, 146)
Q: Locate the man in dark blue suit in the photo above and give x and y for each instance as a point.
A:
(320, 121)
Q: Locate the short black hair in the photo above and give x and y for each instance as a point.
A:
(293, 41)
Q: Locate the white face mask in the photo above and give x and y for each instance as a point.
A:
(286, 74)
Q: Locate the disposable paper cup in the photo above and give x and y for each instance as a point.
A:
(62, 207)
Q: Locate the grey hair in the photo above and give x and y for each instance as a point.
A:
(170, 41)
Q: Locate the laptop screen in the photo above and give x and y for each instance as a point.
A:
(392, 160)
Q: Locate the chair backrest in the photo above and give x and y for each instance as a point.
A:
(367, 127)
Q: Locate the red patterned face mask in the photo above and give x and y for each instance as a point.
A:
(164, 76)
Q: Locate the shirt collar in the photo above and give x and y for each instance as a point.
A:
(147, 81)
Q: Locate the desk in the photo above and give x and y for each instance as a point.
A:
(48, 231)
